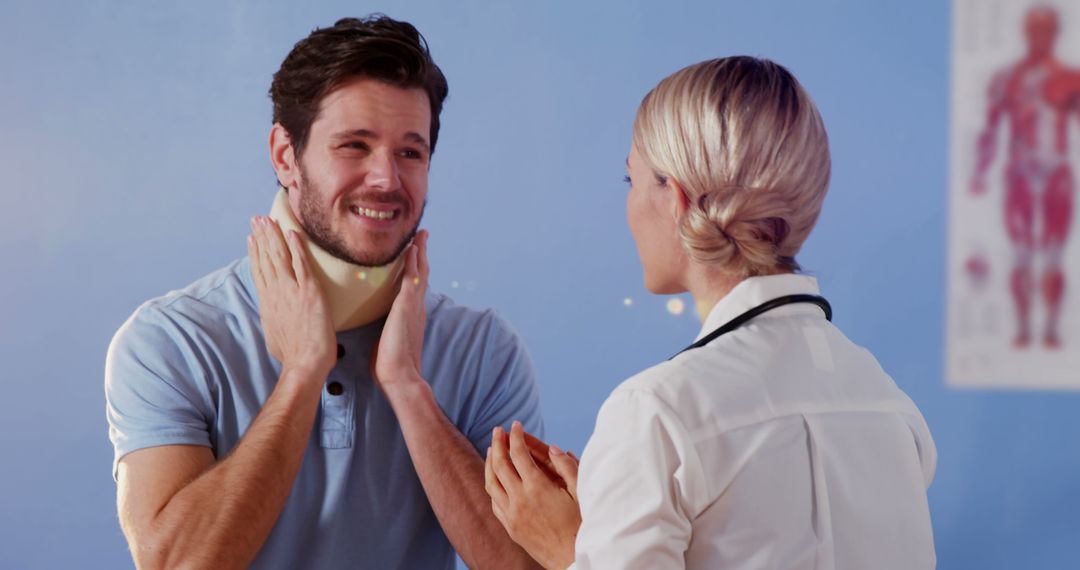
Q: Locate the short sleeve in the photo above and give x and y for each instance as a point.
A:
(151, 394)
(507, 372)
(637, 472)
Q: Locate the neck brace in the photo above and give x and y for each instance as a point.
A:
(357, 295)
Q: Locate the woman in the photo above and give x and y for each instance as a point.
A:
(771, 442)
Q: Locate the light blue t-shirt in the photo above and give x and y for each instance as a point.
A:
(192, 368)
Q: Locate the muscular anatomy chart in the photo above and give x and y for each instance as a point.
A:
(1014, 266)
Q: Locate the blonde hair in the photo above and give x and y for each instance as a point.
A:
(742, 138)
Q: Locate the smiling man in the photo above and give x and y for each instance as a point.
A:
(229, 454)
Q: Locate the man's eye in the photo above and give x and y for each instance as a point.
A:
(412, 154)
(355, 144)
(627, 180)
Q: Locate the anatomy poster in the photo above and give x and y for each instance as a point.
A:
(1014, 256)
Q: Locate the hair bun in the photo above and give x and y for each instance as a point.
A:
(742, 228)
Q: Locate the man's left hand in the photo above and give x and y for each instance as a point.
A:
(396, 358)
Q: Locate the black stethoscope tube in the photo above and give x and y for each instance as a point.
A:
(757, 311)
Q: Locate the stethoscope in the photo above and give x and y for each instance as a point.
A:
(758, 311)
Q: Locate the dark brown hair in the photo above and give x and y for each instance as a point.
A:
(375, 47)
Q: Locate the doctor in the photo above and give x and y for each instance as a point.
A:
(772, 441)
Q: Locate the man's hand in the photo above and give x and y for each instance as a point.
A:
(396, 358)
(540, 514)
(292, 307)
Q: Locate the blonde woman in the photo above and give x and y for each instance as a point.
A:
(773, 441)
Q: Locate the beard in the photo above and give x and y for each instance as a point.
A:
(316, 223)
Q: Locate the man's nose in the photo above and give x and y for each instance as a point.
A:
(383, 171)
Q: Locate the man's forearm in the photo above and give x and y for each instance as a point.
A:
(452, 474)
(222, 518)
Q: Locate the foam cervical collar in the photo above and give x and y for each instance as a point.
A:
(357, 295)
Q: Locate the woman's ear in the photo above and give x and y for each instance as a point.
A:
(680, 204)
(283, 157)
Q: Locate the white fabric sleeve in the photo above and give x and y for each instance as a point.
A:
(636, 479)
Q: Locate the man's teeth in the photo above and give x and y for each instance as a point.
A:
(374, 214)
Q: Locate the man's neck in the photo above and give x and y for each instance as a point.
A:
(357, 295)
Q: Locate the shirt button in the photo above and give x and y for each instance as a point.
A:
(340, 351)
(335, 388)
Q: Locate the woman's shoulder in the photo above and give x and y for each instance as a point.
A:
(639, 408)
(692, 388)
(658, 382)
(661, 395)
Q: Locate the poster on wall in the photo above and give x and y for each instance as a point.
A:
(1013, 298)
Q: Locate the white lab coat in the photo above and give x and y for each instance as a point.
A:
(781, 445)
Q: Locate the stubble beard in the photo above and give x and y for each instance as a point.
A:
(316, 224)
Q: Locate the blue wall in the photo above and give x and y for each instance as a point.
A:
(133, 151)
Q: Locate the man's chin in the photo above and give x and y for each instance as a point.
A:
(369, 256)
(367, 250)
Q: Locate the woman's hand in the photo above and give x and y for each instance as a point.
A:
(396, 357)
(293, 310)
(540, 513)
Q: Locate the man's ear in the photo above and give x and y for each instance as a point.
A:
(283, 157)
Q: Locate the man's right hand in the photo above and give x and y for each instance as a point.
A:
(292, 307)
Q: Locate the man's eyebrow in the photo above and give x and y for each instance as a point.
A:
(410, 136)
(418, 139)
(361, 133)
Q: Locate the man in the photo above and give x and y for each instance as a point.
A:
(1036, 95)
(236, 448)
